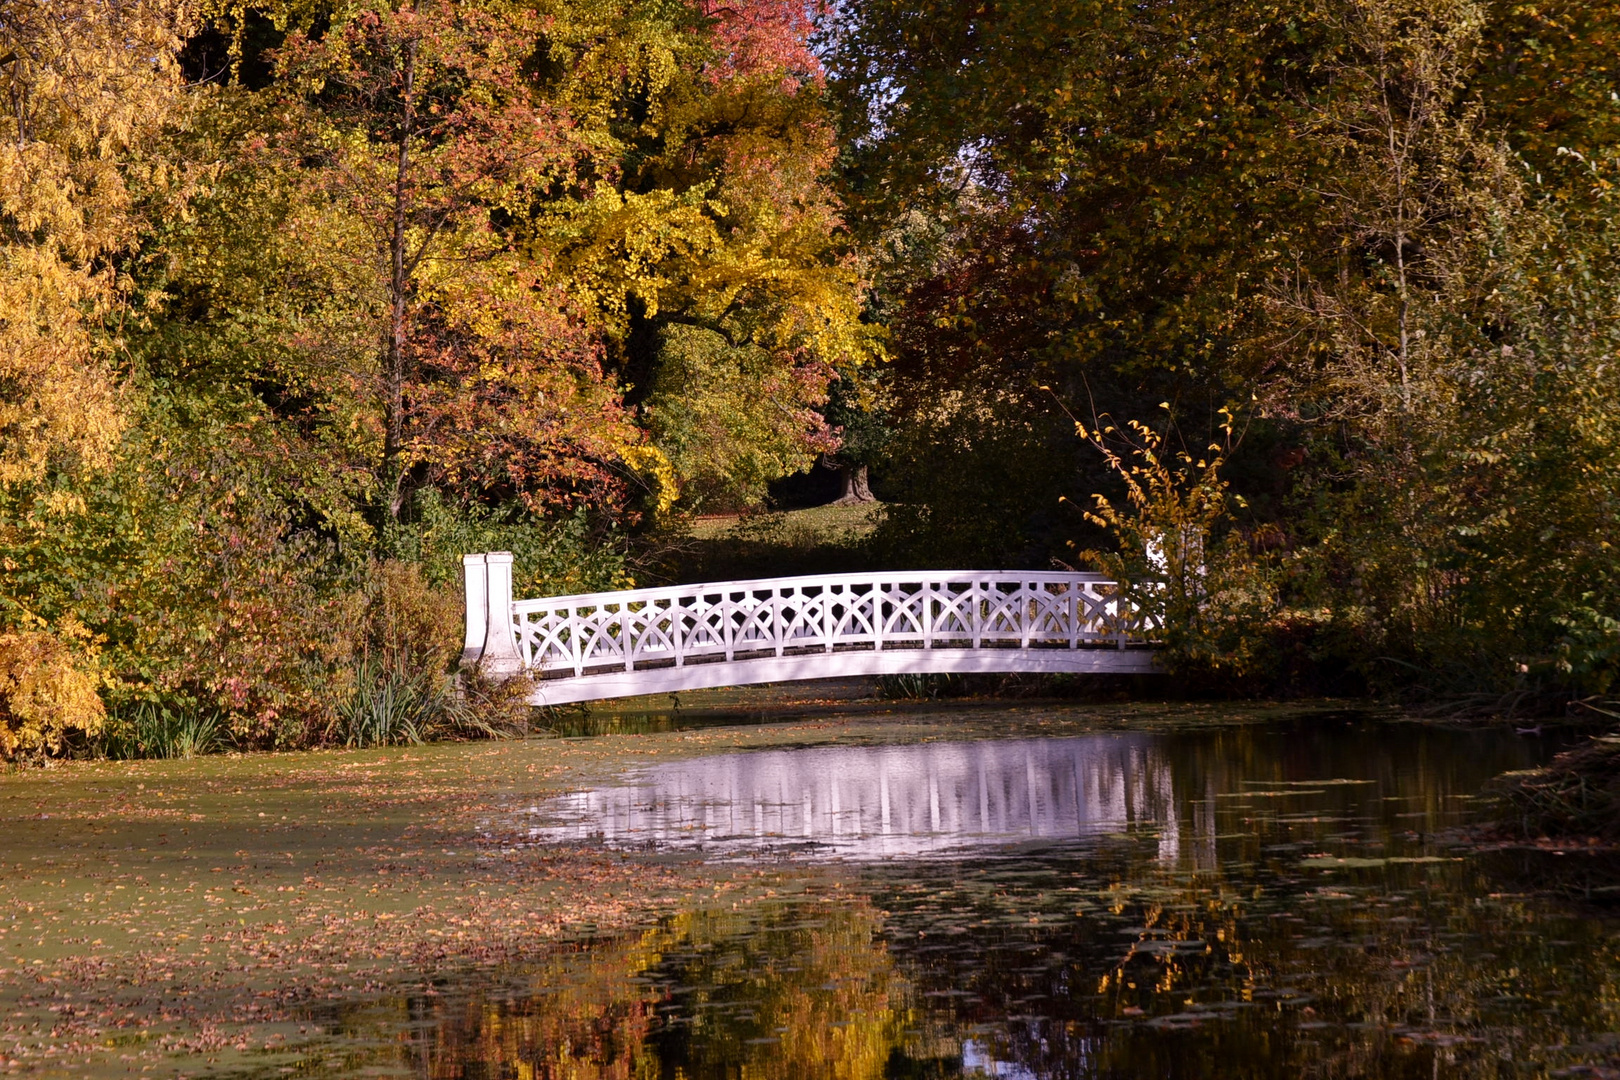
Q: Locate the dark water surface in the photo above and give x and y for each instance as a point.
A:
(1287, 899)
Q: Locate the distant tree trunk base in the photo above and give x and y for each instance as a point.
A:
(853, 486)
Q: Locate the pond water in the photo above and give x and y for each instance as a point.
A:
(1284, 899)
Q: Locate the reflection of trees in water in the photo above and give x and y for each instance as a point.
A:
(1163, 974)
(583, 1015)
(1427, 769)
(776, 993)
(1229, 983)
(815, 976)
(1177, 975)
(1102, 960)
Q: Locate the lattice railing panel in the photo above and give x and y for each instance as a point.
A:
(697, 624)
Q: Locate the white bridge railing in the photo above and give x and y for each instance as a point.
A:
(683, 637)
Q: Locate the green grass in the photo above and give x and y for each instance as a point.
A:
(818, 540)
(826, 523)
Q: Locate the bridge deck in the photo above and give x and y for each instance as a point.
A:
(642, 641)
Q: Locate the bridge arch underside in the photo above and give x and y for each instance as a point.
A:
(665, 678)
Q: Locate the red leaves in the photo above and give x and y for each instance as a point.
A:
(519, 408)
(764, 37)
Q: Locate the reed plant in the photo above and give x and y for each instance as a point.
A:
(392, 705)
(151, 730)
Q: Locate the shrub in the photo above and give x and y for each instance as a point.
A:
(1208, 599)
(404, 689)
(409, 623)
(48, 691)
(495, 709)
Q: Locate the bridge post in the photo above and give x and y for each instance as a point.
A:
(476, 577)
(925, 605)
(1077, 610)
(500, 657)
(626, 642)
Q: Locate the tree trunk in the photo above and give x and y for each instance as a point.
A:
(853, 486)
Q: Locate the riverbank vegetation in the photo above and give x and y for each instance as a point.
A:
(306, 300)
(1359, 257)
(301, 300)
(1576, 796)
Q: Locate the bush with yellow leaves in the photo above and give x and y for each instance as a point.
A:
(48, 690)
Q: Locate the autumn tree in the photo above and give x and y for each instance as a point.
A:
(636, 195)
(420, 122)
(84, 88)
(709, 242)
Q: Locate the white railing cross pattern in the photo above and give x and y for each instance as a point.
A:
(682, 637)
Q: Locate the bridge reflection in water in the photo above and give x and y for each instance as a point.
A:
(894, 801)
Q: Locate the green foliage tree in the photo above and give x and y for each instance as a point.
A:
(709, 243)
(1339, 216)
(732, 419)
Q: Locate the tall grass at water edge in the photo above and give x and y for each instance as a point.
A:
(391, 707)
(149, 730)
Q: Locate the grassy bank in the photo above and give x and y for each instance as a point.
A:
(186, 915)
(817, 540)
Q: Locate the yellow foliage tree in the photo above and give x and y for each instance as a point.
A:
(83, 85)
(47, 690)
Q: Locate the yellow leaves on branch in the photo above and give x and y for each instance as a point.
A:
(1175, 503)
(83, 85)
(48, 684)
(55, 396)
(620, 245)
(768, 279)
(655, 470)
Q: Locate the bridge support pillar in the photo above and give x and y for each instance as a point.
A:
(476, 577)
(501, 657)
(490, 643)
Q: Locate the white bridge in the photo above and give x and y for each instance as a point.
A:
(733, 633)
